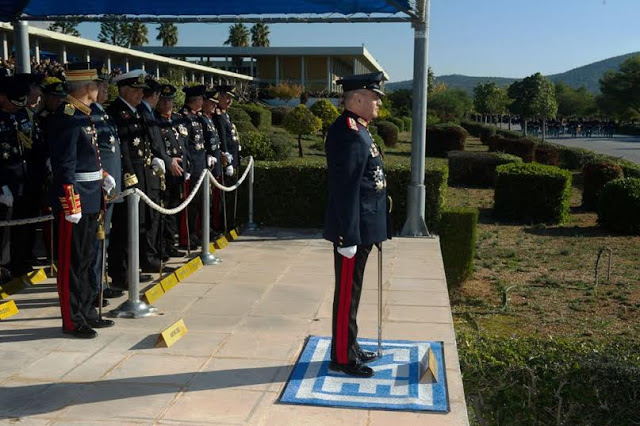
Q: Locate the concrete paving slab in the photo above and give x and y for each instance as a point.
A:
(248, 319)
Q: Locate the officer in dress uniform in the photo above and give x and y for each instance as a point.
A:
(139, 169)
(109, 147)
(356, 216)
(174, 136)
(230, 145)
(16, 147)
(54, 92)
(78, 181)
(191, 118)
(212, 144)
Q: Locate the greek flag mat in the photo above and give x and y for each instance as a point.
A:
(395, 384)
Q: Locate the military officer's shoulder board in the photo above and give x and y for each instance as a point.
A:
(73, 105)
(69, 109)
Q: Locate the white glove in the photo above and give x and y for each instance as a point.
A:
(6, 197)
(229, 171)
(187, 176)
(348, 252)
(229, 157)
(108, 184)
(158, 164)
(48, 165)
(211, 161)
(73, 218)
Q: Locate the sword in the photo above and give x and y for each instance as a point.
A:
(224, 204)
(379, 245)
(163, 187)
(102, 235)
(187, 222)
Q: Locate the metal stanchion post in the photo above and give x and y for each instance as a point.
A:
(379, 300)
(134, 307)
(251, 226)
(206, 257)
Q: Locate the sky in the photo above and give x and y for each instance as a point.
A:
(498, 38)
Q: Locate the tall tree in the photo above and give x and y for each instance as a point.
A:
(168, 33)
(574, 102)
(69, 28)
(431, 80)
(260, 35)
(238, 37)
(138, 33)
(489, 99)
(533, 97)
(114, 32)
(623, 87)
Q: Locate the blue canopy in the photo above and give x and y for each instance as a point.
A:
(16, 9)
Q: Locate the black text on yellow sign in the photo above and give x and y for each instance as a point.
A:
(172, 334)
(8, 309)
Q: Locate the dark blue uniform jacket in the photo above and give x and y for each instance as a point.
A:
(357, 207)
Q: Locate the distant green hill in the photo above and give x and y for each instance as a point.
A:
(588, 75)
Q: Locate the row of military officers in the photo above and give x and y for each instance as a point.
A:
(69, 154)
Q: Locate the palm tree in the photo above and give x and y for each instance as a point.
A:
(68, 28)
(238, 37)
(138, 34)
(168, 33)
(260, 35)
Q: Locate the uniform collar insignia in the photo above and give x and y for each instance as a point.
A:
(363, 122)
(78, 104)
(352, 123)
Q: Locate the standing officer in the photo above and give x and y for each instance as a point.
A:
(212, 144)
(191, 112)
(174, 136)
(138, 168)
(356, 216)
(16, 149)
(230, 144)
(109, 148)
(78, 181)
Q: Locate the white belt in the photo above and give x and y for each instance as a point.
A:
(88, 176)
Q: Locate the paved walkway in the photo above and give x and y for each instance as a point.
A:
(247, 320)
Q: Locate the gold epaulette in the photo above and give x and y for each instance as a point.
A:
(76, 105)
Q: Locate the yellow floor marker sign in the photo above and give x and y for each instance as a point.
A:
(154, 293)
(169, 282)
(233, 235)
(8, 309)
(221, 243)
(172, 334)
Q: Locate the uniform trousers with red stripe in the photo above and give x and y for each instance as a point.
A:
(346, 298)
(75, 256)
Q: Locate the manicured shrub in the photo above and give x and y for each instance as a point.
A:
(508, 134)
(260, 117)
(458, 243)
(257, 144)
(476, 168)
(486, 133)
(443, 138)
(325, 111)
(237, 114)
(388, 132)
(550, 381)
(244, 127)
(407, 123)
(619, 206)
(532, 193)
(523, 148)
(278, 114)
(300, 121)
(474, 128)
(281, 147)
(398, 122)
(596, 176)
(572, 158)
(294, 194)
(548, 155)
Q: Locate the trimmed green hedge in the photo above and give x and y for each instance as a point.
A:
(536, 381)
(388, 132)
(443, 138)
(260, 116)
(619, 206)
(476, 168)
(407, 123)
(294, 193)
(398, 122)
(545, 154)
(243, 128)
(458, 243)
(532, 192)
(278, 114)
(523, 148)
(237, 114)
(596, 176)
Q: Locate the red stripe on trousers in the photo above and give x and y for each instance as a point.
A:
(184, 217)
(344, 305)
(64, 264)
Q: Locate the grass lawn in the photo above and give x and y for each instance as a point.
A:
(533, 279)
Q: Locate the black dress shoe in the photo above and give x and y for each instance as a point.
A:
(175, 253)
(145, 278)
(96, 302)
(112, 293)
(165, 258)
(354, 368)
(101, 323)
(152, 267)
(166, 269)
(82, 332)
(366, 356)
